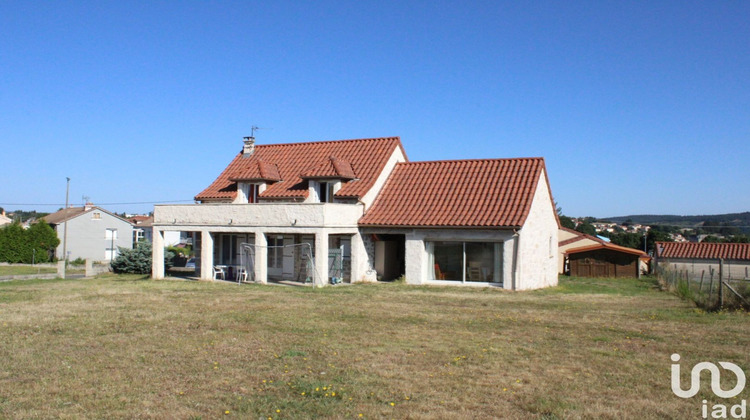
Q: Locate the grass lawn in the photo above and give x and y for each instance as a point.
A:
(124, 346)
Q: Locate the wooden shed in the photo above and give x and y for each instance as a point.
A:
(604, 260)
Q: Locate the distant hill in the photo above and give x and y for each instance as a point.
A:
(739, 220)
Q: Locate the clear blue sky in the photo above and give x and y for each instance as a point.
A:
(637, 107)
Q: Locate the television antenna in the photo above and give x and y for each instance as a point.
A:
(254, 128)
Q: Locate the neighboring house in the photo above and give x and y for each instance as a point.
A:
(5, 220)
(362, 212)
(93, 233)
(583, 255)
(699, 258)
(143, 230)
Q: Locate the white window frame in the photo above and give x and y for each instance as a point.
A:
(328, 188)
(275, 251)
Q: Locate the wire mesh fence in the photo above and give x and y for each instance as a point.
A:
(711, 288)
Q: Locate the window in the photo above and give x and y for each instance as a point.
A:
(96, 216)
(110, 233)
(275, 251)
(479, 262)
(325, 192)
(252, 193)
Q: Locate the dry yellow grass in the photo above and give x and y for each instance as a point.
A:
(129, 347)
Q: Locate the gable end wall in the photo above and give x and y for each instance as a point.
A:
(538, 254)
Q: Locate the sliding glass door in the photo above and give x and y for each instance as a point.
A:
(479, 262)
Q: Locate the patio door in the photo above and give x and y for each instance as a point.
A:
(275, 255)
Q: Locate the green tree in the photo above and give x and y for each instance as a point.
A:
(739, 239)
(654, 236)
(14, 246)
(19, 245)
(567, 222)
(629, 240)
(587, 228)
(43, 240)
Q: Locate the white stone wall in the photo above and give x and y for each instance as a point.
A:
(396, 157)
(538, 242)
(258, 214)
(363, 257)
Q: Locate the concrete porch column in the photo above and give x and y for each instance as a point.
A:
(360, 262)
(207, 255)
(321, 258)
(261, 258)
(157, 254)
(416, 260)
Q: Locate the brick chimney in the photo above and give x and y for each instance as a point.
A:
(88, 206)
(249, 146)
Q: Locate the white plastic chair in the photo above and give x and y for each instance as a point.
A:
(219, 272)
(241, 274)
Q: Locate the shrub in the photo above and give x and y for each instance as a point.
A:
(181, 252)
(78, 261)
(138, 260)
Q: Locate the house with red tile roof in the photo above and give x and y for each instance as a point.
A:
(358, 210)
(698, 258)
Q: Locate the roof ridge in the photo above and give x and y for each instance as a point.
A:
(470, 160)
(325, 141)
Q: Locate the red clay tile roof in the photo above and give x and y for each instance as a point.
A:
(607, 245)
(367, 158)
(468, 193)
(703, 250)
(332, 167)
(256, 170)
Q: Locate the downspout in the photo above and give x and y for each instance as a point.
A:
(516, 266)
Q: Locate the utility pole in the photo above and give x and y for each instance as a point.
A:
(65, 226)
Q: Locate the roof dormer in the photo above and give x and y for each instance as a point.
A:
(330, 168)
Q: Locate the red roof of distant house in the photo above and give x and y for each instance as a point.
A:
(703, 250)
(142, 221)
(366, 158)
(467, 193)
